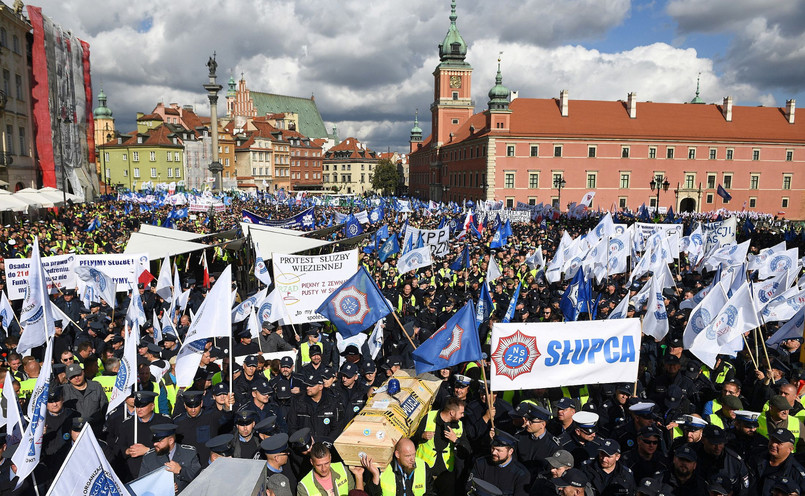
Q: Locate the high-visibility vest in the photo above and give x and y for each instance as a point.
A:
(342, 484)
(722, 376)
(793, 426)
(27, 388)
(107, 382)
(171, 391)
(427, 450)
(584, 394)
(716, 420)
(388, 482)
(304, 350)
(400, 302)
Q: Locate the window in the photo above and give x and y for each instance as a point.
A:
(510, 150)
(16, 45)
(3, 37)
(755, 154)
(557, 150)
(624, 152)
(21, 136)
(137, 172)
(169, 157)
(690, 181)
(106, 156)
(125, 156)
(18, 86)
(669, 152)
(455, 95)
(455, 121)
(652, 152)
(789, 155)
(622, 202)
(754, 179)
(752, 202)
(557, 177)
(591, 152)
(177, 172)
(170, 172)
(135, 156)
(108, 173)
(691, 153)
(711, 181)
(591, 176)
(532, 200)
(6, 82)
(535, 150)
(712, 153)
(730, 153)
(153, 172)
(727, 181)
(784, 203)
(176, 157)
(10, 139)
(786, 181)
(624, 180)
(533, 180)
(709, 198)
(125, 173)
(509, 202)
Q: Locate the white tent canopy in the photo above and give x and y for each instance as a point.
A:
(271, 242)
(159, 247)
(57, 195)
(9, 202)
(169, 233)
(34, 198)
(279, 230)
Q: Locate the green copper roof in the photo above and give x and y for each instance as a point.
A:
(102, 111)
(697, 99)
(231, 91)
(416, 129)
(453, 49)
(499, 94)
(310, 121)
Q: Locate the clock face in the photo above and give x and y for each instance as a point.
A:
(455, 81)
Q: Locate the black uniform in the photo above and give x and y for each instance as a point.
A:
(619, 481)
(731, 465)
(195, 431)
(325, 418)
(766, 476)
(580, 449)
(184, 455)
(533, 451)
(131, 465)
(512, 479)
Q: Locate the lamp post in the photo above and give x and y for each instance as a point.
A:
(559, 183)
(659, 183)
(105, 164)
(213, 88)
(445, 189)
(699, 200)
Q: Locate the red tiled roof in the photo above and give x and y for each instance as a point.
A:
(351, 145)
(150, 117)
(191, 120)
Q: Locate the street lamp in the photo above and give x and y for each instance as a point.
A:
(445, 189)
(559, 183)
(105, 165)
(660, 183)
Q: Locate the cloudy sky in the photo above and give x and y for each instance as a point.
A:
(370, 63)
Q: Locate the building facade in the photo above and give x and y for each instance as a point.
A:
(348, 167)
(556, 150)
(154, 155)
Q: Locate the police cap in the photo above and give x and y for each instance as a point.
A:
(192, 399)
(278, 443)
(144, 398)
(162, 431)
(221, 445)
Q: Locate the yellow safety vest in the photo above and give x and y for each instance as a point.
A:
(107, 382)
(584, 394)
(341, 484)
(427, 450)
(216, 378)
(722, 376)
(304, 350)
(715, 419)
(400, 302)
(793, 426)
(171, 390)
(388, 482)
(27, 388)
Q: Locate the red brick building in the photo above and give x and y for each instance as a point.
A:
(536, 150)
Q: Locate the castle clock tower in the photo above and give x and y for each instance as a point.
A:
(452, 105)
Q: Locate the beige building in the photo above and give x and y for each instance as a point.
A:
(348, 167)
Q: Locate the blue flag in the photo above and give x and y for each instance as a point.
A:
(723, 193)
(383, 232)
(498, 240)
(355, 305)
(455, 342)
(669, 217)
(409, 245)
(463, 260)
(352, 227)
(749, 227)
(513, 304)
(377, 215)
(420, 243)
(577, 297)
(441, 223)
(94, 224)
(389, 248)
(507, 228)
(485, 305)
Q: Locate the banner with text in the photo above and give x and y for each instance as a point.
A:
(60, 270)
(515, 216)
(545, 355)
(644, 230)
(306, 281)
(719, 233)
(439, 239)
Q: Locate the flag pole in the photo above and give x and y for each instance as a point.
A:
(488, 396)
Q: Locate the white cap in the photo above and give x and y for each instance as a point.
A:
(585, 419)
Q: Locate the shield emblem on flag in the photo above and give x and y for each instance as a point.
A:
(351, 305)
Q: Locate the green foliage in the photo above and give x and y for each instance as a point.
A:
(386, 178)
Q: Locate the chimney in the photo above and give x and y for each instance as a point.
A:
(790, 108)
(563, 102)
(631, 102)
(513, 96)
(726, 108)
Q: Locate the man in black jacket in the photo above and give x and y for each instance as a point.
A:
(607, 475)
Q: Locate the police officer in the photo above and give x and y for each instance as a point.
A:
(219, 447)
(716, 458)
(351, 392)
(443, 441)
(404, 476)
(534, 443)
(179, 459)
(647, 458)
(58, 421)
(581, 439)
(192, 427)
(746, 441)
(275, 449)
(501, 469)
(262, 406)
(322, 413)
(247, 444)
(219, 413)
(244, 384)
(132, 453)
(607, 475)
(777, 463)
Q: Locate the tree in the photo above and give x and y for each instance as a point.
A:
(386, 177)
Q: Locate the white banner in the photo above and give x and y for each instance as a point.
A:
(60, 271)
(645, 230)
(306, 281)
(545, 355)
(439, 239)
(515, 216)
(719, 233)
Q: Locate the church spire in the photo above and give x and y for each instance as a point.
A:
(453, 49)
(697, 99)
(499, 94)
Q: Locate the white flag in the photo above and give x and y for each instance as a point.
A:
(177, 284)
(784, 306)
(619, 247)
(342, 343)
(6, 312)
(765, 291)
(157, 328)
(779, 263)
(375, 341)
(704, 313)
(87, 471)
(260, 268)
(164, 280)
(655, 322)
(156, 483)
(242, 311)
(756, 261)
(26, 458)
(35, 313)
(619, 312)
(790, 330)
(254, 324)
(414, 259)
(181, 301)
(101, 284)
(213, 319)
(273, 308)
(493, 271)
(736, 317)
(127, 373)
(13, 419)
(587, 199)
(695, 246)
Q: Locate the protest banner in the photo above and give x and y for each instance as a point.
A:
(719, 233)
(60, 270)
(439, 239)
(306, 281)
(514, 216)
(548, 354)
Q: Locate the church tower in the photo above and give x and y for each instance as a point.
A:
(452, 105)
(416, 135)
(231, 93)
(104, 121)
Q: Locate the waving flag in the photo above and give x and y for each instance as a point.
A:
(36, 317)
(127, 373)
(736, 317)
(792, 329)
(704, 313)
(723, 193)
(455, 342)
(493, 270)
(6, 312)
(655, 322)
(272, 309)
(512, 304)
(577, 297)
(13, 420)
(103, 285)
(463, 260)
(260, 268)
(94, 224)
(498, 240)
(779, 263)
(784, 306)
(164, 281)
(355, 305)
(619, 312)
(378, 214)
(242, 311)
(485, 305)
(390, 247)
(414, 259)
(757, 261)
(27, 456)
